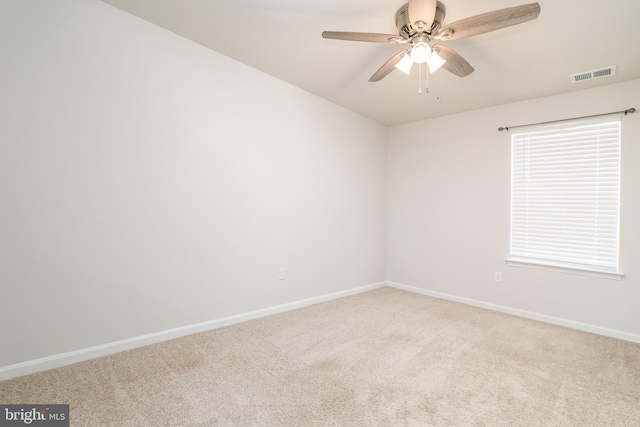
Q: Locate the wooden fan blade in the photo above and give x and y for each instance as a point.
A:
(422, 11)
(490, 21)
(388, 66)
(455, 64)
(362, 37)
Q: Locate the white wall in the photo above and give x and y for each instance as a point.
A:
(448, 212)
(148, 183)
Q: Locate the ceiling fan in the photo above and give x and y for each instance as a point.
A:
(420, 21)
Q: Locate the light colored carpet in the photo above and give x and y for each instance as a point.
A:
(385, 357)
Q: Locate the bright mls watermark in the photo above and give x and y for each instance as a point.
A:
(34, 415)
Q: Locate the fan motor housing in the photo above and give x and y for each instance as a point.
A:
(406, 28)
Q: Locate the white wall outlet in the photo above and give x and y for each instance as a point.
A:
(497, 276)
(281, 273)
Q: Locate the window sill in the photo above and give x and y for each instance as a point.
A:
(583, 271)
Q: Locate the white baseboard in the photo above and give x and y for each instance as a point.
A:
(58, 360)
(523, 313)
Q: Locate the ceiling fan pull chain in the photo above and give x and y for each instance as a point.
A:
(427, 88)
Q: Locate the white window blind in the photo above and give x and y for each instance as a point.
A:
(565, 192)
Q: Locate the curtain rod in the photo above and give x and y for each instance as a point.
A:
(630, 110)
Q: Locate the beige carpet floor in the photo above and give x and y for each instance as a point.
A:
(381, 358)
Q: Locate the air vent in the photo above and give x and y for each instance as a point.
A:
(593, 74)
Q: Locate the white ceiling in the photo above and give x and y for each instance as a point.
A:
(530, 60)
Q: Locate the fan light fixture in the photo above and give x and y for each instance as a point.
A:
(434, 60)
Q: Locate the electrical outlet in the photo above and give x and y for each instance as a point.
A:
(281, 273)
(497, 276)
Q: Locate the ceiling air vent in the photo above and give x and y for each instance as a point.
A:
(593, 74)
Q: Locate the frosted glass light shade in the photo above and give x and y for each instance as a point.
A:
(420, 52)
(435, 61)
(405, 64)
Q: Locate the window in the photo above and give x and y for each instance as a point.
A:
(565, 197)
